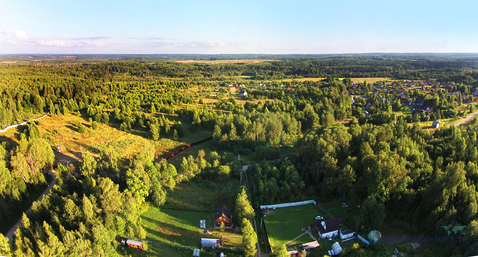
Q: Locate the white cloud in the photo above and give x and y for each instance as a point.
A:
(19, 37)
(95, 43)
(19, 34)
(23, 43)
(90, 38)
(216, 44)
(52, 43)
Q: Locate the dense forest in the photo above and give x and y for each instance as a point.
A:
(339, 136)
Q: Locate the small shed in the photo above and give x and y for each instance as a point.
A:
(310, 245)
(210, 242)
(436, 124)
(336, 249)
(347, 233)
(196, 252)
(133, 243)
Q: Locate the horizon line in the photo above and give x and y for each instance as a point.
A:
(351, 53)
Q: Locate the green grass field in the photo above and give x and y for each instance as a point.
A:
(178, 227)
(203, 195)
(175, 226)
(154, 250)
(287, 223)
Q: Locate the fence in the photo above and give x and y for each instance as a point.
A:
(177, 246)
(283, 205)
(365, 241)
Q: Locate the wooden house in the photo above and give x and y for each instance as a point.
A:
(222, 214)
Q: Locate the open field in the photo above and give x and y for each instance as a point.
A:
(203, 195)
(286, 224)
(61, 130)
(177, 227)
(300, 79)
(371, 80)
(225, 61)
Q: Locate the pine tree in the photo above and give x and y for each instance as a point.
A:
(4, 246)
(243, 205)
(249, 239)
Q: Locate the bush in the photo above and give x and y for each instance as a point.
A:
(94, 125)
(223, 172)
(81, 128)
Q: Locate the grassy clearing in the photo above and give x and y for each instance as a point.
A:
(61, 130)
(287, 223)
(203, 195)
(178, 227)
(370, 80)
(299, 80)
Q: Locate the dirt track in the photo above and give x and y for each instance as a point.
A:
(465, 120)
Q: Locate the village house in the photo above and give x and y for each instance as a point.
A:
(232, 88)
(222, 214)
(327, 228)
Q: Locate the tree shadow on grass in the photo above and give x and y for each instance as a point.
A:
(9, 143)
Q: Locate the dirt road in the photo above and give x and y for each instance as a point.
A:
(465, 120)
(11, 232)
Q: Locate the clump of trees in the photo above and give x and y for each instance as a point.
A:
(276, 183)
(22, 171)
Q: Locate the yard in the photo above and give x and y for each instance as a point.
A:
(285, 224)
(181, 228)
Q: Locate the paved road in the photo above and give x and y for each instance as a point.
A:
(465, 120)
(11, 232)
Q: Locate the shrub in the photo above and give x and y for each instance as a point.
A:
(223, 172)
(81, 128)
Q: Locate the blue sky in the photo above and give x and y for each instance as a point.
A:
(237, 27)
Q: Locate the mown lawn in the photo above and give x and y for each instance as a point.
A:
(167, 251)
(287, 223)
(175, 226)
(179, 227)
